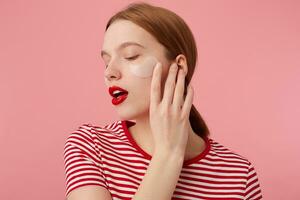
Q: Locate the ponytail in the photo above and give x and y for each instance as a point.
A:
(174, 34)
(197, 123)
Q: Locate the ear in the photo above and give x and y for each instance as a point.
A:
(182, 62)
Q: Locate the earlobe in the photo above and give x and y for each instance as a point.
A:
(181, 62)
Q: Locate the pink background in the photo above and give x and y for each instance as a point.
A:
(247, 86)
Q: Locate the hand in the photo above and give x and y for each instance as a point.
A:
(169, 116)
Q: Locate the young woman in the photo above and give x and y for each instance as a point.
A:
(161, 148)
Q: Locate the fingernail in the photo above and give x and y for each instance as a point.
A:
(174, 66)
(158, 64)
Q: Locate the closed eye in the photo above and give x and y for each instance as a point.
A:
(133, 57)
(129, 58)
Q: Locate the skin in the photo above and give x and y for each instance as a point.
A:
(137, 105)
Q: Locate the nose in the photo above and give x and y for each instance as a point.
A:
(112, 73)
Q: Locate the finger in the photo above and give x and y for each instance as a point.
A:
(179, 90)
(170, 85)
(188, 102)
(155, 95)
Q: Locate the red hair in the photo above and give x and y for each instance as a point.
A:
(174, 34)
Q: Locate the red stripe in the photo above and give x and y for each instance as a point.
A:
(120, 174)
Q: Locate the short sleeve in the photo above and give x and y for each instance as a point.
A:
(253, 190)
(82, 161)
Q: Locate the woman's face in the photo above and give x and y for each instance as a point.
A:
(126, 46)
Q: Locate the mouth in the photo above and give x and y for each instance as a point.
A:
(119, 94)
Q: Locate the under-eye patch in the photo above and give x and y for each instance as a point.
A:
(144, 68)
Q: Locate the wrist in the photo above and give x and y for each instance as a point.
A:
(168, 155)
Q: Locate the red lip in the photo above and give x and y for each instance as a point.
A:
(119, 99)
(113, 88)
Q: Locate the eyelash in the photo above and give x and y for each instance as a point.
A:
(133, 57)
(130, 58)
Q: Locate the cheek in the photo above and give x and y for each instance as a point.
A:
(144, 67)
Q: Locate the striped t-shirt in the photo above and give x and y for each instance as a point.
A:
(109, 157)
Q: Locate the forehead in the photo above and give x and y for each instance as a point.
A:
(122, 31)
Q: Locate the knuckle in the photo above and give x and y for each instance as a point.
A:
(175, 112)
(182, 117)
(165, 111)
(170, 84)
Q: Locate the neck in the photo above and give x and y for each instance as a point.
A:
(142, 133)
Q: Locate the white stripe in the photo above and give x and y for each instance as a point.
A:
(209, 184)
(222, 163)
(215, 179)
(189, 187)
(218, 173)
(208, 195)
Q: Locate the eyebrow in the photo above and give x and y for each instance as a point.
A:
(122, 46)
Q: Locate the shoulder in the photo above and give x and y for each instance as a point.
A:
(239, 167)
(88, 138)
(224, 158)
(88, 132)
(221, 153)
